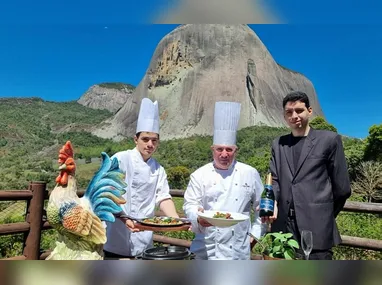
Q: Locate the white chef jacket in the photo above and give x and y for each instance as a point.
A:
(231, 190)
(147, 186)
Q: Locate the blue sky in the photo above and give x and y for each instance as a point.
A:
(57, 52)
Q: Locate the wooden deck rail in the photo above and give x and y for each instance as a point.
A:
(15, 195)
(361, 207)
(32, 226)
(34, 223)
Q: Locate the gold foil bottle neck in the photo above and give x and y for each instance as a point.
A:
(268, 181)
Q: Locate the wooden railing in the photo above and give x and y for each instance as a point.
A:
(34, 222)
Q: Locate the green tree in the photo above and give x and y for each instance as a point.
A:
(260, 162)
(373, 149)
(47, 165)
(3, 142)
(354, 153)
(319, 123)
(178, 177)
(88, 159)
(108, 150)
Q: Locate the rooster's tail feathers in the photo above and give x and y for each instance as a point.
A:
(106, 188)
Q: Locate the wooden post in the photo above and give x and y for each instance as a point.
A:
(34, 213)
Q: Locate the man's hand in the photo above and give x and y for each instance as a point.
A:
(253, 241)
(130, 225)
(269, 220)
(202, 221)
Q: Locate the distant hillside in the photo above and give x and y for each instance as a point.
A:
(117, 85)
(32, 131)
(37, 123)
(109, 96)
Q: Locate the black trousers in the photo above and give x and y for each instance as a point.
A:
(111, 255)
(315, 254)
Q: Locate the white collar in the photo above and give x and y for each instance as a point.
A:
(139, 156)
(230, 168)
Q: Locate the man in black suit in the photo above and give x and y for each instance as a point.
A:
(310, 178)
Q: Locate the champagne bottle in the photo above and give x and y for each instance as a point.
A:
(267, 199)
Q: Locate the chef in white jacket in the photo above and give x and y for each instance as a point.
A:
(224, 185)
(147, 188)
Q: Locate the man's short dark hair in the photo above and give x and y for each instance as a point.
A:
(139, 133)
(296, 96)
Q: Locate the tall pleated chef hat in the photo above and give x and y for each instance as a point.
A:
(226, 122)
(148, 118)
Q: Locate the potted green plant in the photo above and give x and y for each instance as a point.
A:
(277, 246)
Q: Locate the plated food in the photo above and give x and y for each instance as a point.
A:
(163, 221)
(219, 215)
(159, 223)
(223, 219)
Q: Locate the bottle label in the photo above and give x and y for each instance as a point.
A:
(266, 204)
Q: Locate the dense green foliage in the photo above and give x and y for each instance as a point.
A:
(319, 123)
(178, 177)
(32, 131)
(373, 147)
(354, 152)
(35, 122)
(116, 85)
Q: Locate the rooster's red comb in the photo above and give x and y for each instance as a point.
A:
(65, 152)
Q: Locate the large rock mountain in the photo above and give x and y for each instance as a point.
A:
(198, 64)
(107, 96)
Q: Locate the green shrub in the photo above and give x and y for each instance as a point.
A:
(178, 177)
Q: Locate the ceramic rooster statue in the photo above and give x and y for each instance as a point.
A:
(80, 222)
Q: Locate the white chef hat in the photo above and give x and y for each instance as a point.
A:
(148, 118)
(226, 122)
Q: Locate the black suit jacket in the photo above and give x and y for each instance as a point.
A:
(320, 185)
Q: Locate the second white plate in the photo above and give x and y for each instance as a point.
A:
(223, 222)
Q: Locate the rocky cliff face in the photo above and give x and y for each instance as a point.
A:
(196, 65)
(109, 96)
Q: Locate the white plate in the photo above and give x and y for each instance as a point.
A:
(220, 222)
